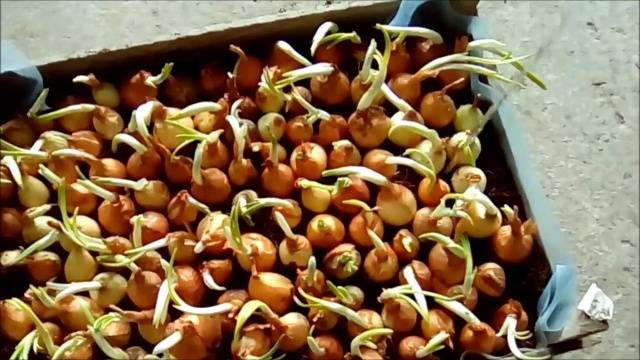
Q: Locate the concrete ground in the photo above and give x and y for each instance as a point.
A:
(583, 131)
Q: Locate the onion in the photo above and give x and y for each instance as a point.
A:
(273, 289)
(79, 265)
(331, 130)
(294, 107)
(355, 189)
(190, 286)
(277, 178)
(198, 335)
(237, 297)
(181, 209)
(358, 88)
(308, 160)
(457, 77)
(323, 320)
(295, 250)
(18, 132)
(10, 223)
(470, 301)
(438, 109)
(424, 51)
(331, 90)
(296, 330)
(142, 289)
(400, 61)
(342, 262)
(399, 315)
(166, 132)
(72, 315)
(437, 321)
(421, 273)
(15, 323)
(285, 58)
(210, 234)
(344, 153)
(72, 120)
(253, 341)
(44, 266)
(405, 245)
(469, 117)
(376, 160)
(369, 127)
(362, 222)
(154, 226)
(87, 141)
(7, 186)
(118, 244)
(107, 122)
(208, 121)
(178, 169)
(292, 214)
(424, 223)
(370, 318)
(263, 253)
(484, 217)
(221, 271)
(478, 337)
(214, 188)
(315, 197)
(179, 91)
(325, 231)
(511, 308)
(467, 176)
(396, 204)
(490, 279)
(247, 71)
(33, 192)
(328, 347)
(151, 261)
(513, 242)
(114, 216)
(154, 195)
(311, 279)
(381, 263)
(430, 194)
(463, 148)
(446, 266)
(408, 347)
(104, 93)
(299, 130)
(213, 80)
(142, 87)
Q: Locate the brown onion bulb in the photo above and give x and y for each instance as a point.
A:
(370, 317)
(331, 130)
(375, 160)
(331, 90)
(180, 211)
(154, 196)
(87, 141)
(44, 266)
(408, 347)
(325, 231)
(273, 289)
(478, 337)
(399, 315)
(332, 347)
(490, 279)
(446, 266)
(15, 324)
(357, 190)
(405, 245)
(115, 216)
(369, 127)
(190, 286)
(212, 80)
(214, 189)
(308, 160)
(143, 288)
(511, 308)
(421, 272)
(437, 321)
(424, 223)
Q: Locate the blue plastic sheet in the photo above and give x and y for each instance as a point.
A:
(557, 303)
(20, 75)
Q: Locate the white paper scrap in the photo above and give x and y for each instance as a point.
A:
(596, 304)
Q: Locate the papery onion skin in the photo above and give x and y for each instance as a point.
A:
(298, 130)
(134, 91)
(253, 341)
(78, 197)
(375, 160)
(331, 90)
(211, 232)
(399, 247)
(87, 141)
(155, 196)
(425, 50)
(323, 320)
(429, 194)
(437, 109)
(514, 308)
(344, 156)
(295, 108)
(277, 179)
(396, 204)
(331, 130)
(238, 297)
(72, 315)
(147, 165)
(263, 253)
(155, 226)
(308, 160)
(381, 265)
(332, 262)
(18, 132)
(220, 269)
(180, 211)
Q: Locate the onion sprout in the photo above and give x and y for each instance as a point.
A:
(418, 167)
(341, 293)
(446, 242)
(331, 306)
(194, 109)
(156, 80)
(137, 185)
(360, 171)
(129, 140)
(74, 288)
(136, 235)
(365, 339)
(211, 310)
(366, 74)
(210, 282)
(313, 112)
(69, 345)
(403, 31)
(24, 347)
(38, 245)
(293, 76)
(69, 110)
(289, 50)
(434, 344)
(247, 310)
(459, 309)
(95, 330)
(11, 163)
(421, 300)
(372, 92)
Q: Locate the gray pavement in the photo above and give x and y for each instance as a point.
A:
(583, 131)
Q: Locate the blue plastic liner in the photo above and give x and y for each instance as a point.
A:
(557, 303)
